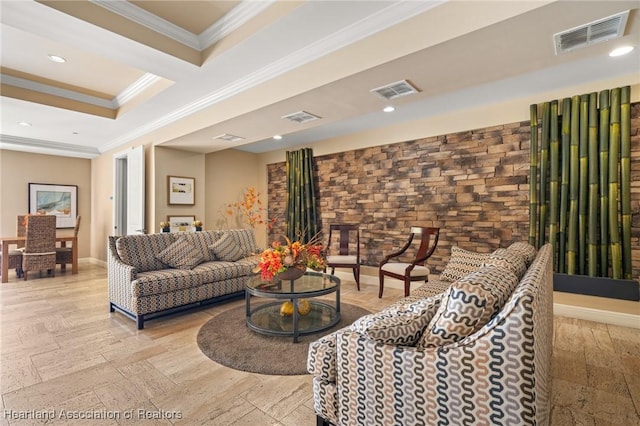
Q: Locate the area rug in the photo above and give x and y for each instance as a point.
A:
(227, 340)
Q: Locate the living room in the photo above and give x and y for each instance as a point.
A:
(221, 177)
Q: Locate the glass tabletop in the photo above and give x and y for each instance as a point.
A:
(311, 283)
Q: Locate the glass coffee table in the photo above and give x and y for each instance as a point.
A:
(265, 317)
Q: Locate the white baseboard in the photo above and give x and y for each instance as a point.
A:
(597, 315)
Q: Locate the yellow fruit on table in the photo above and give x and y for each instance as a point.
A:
(304, 307)
(286, 309)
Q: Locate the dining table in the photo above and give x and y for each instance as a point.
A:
(62, 239)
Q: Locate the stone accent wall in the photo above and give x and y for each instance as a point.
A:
(474, 185)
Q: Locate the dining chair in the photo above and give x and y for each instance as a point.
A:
(39, 251)
(64, 254)
(410, 267)
(346, 237)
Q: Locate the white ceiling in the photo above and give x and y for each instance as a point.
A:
(179, 73)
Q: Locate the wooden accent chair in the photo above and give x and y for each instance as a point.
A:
(348, 256)
(39, 251)
(410, 268)
(64, 254)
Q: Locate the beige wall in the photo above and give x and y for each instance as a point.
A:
(18, 169)
(171, 162)
(228, 174)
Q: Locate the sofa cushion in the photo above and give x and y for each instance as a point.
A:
(507, 259)
(181, 255)
(401, 324)
(227, 249)
(202, 240)
(468, 305)
(462, 262)
(244, 238)
(526, 250)
(219, 270)
(140, 250)
(164, 281)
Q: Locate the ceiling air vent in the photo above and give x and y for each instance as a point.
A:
(395, 90)
(301, 117)
(229, 138)
(594, 32)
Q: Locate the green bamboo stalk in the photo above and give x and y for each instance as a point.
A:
(553, 183)
(625, 179)
(614, 153)
(533, 175)
(592, 228)
(544, 171)
(574, 186)
(583, 196)
(604, 183)
(564, 185)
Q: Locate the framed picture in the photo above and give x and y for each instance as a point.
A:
(181, 190)
(58, 200)
(180, 223)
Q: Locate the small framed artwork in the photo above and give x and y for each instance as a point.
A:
(181, 190)
(58, 200)
(180, 223)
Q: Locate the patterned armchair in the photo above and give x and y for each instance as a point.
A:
(500, 373)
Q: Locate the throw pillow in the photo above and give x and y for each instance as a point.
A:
(462, 262)
(400, 324)
(181, 255)
(469, 304)
(507, 259)
(526, 250)
(226, 249)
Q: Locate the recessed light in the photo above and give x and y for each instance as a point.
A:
(388, 109)
(24, 124)
(58, 59)
(277, 137)
(619, 51)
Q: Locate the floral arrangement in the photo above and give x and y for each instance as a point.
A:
(250, 209)
(280, 257)
(197, 223)
(165, 225)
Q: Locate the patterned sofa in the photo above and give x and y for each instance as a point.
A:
(477, 353)
(154, 274)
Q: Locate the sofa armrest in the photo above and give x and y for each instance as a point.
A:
(119, 277)
(321, 359)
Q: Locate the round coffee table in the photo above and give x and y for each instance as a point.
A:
(265, 318)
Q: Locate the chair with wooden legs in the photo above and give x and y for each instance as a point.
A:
(409, 268)
(347, 239)
(64, 254)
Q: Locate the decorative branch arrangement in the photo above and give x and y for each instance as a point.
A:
(250, 209)
(580, 183)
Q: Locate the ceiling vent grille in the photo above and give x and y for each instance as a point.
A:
(229, 138)
(395, 90)
(301, 117)
(594, 32)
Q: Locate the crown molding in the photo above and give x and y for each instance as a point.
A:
(140, 16)
(237, 17)
(383, 19)
(57, 91)
(137, 87)
(17, 143)
(230, 22)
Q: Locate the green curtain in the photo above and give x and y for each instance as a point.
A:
(588, 222)
(302, 216)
